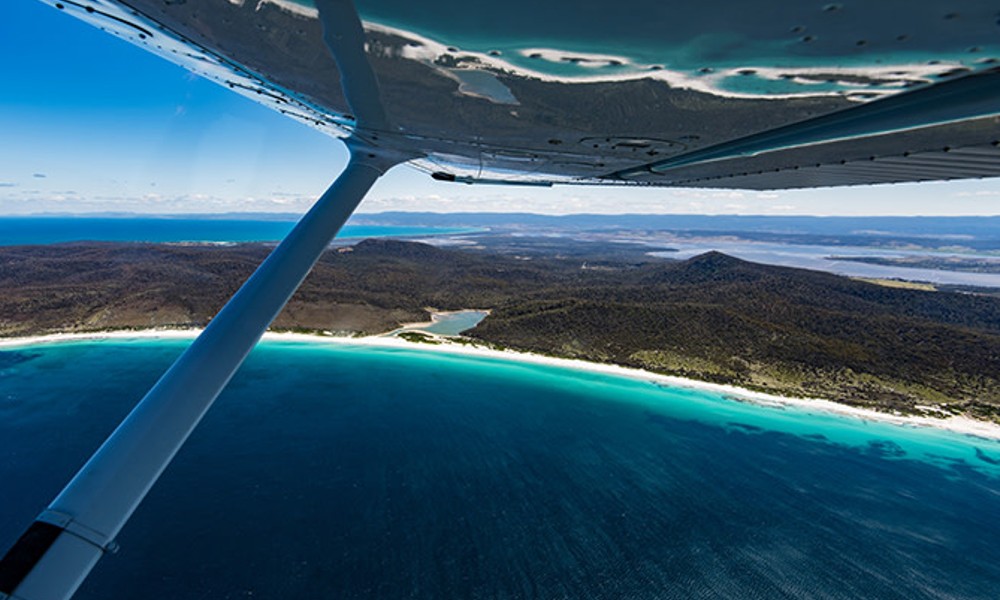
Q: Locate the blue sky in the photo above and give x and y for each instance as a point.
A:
(89, 123)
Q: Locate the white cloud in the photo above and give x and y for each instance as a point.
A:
(977, 194)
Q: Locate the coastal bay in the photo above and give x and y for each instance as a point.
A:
(448, 344)
(373, 467)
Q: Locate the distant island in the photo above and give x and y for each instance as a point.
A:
(712, 317)
(947, 263)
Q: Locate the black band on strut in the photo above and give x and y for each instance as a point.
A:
(25, 554)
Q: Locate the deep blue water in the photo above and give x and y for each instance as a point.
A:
(341, 472)
(49, 230)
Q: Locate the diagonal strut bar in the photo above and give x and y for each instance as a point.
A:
(53, 557)
(57, 552)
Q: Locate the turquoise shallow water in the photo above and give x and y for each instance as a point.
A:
(332, 471)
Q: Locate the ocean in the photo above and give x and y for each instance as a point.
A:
(358, 472)
(15, 231)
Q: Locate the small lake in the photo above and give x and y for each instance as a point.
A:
(448, 323)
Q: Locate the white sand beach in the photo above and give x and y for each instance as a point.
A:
(957, 424)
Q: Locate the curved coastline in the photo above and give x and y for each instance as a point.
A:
(954, 424)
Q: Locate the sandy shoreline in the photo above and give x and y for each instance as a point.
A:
(957, 424)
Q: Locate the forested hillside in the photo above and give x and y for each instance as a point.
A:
(711, 317)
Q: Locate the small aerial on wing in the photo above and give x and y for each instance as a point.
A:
(718, 93)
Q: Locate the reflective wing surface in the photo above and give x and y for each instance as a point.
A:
(715, 93)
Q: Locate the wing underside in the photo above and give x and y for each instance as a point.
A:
(570, 93)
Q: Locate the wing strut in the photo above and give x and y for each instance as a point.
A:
(53, 557)
(59, 549)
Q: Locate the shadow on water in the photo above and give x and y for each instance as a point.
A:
(12, 358)
(986, 459)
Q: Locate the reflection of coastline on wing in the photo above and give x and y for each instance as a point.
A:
(862, 83)
(605, 100)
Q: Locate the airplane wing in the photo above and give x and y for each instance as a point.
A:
(715, 93)
(645, 93)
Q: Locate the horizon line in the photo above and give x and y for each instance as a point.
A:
(296, 215)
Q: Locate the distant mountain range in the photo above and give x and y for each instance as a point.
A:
(959, 228)
(967, 227)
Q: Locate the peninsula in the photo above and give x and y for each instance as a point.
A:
(715, 318)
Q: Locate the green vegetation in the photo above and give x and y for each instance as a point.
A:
(774, 329)
(712, 317)
(417, 337)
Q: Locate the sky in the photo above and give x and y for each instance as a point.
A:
(91, 124)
